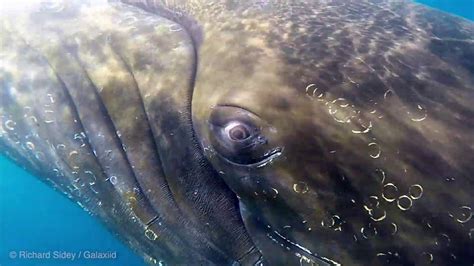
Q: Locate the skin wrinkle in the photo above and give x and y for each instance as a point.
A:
(104, 110)
(124, 234)
(239, 234)
(162, 106)
(125, 154)
(143, 108)
(163, 255)
(198, 238)
(66, 92)
(64, 88)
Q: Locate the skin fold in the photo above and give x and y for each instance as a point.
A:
(246, 132)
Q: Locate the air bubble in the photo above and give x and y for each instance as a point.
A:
(40, 156)
(132, 200)
(73, 153)
(80, 138)
(368, 231)
(363, 128)
(60, 147)
(463, 214)
(427, 257)
(150, 234)
(52, 6)
(421, 114)
(443, 240)
(309, 88)
(415, 191)
(372, 202)
(404, 203)
(33, 119)
(378, 214)
(335, 222)
(380, 174)
(113, 180)
(300, 187)
(57, 172)
(314, 92)
(91, 174)
(389, 192)
(388, 94)
(395, 228)
(27, 110)
(174, 28)
(30, 146)
(152, 260)
(10, 125)
(274, 193)
(46, 120)
(128, 20)
(342, 113)
(376, 152)
(328, 222)
(341, 102)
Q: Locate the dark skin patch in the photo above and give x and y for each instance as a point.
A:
(282, 104)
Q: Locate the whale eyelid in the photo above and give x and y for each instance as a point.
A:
(239, 107)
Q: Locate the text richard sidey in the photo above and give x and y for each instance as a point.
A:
(62, 255)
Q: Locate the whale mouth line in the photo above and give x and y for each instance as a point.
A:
(266, 159)
(299, 251)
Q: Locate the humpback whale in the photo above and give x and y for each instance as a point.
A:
(223, 132)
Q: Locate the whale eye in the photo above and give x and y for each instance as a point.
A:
(239, 136)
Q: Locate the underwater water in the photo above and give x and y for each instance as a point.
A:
(463, 8)
(34, 217)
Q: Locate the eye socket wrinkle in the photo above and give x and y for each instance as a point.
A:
(238, 107)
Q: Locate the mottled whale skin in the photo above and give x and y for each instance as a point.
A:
(317, 132)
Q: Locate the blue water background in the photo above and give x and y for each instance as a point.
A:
(33, 217)
(463, 8)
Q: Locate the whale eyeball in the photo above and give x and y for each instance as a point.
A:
(237, 131)
(239, 136)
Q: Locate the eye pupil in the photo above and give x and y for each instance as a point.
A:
(239, 132)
